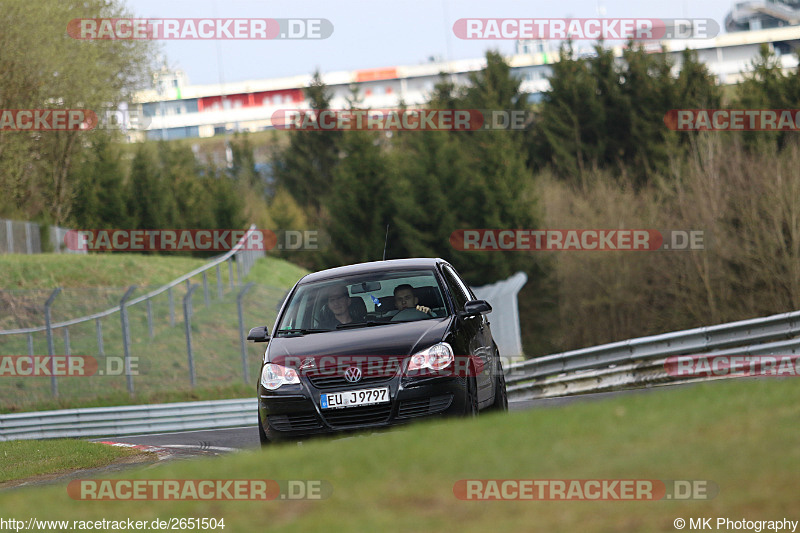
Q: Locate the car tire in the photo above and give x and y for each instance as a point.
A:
(262, 436)
(471, 400)
(500, 394)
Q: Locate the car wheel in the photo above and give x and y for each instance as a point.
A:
(471, 402)
(500, 394)
(261, 435)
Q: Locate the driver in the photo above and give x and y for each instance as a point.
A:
(404, 298)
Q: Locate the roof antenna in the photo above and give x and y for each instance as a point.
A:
(385, 242)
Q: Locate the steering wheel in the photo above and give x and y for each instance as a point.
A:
(409, 314)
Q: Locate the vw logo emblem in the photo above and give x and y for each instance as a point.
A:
(353, 374)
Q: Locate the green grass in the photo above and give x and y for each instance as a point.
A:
(42, 401)
(162, 360)
(48, 271)
(741, 435)
(24, 459)
(276, 272)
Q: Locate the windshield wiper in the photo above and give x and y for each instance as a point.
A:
(359, 324)
(300, 331)
(429, 317)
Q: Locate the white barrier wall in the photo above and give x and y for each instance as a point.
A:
(504, 318)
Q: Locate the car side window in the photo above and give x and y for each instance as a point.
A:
(297, 316)
(464, 287)
(455, 288)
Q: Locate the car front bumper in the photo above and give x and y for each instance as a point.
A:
(294, 411)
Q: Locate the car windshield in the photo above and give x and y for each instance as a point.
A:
(365, 300)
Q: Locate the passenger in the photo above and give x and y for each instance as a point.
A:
(338, 308)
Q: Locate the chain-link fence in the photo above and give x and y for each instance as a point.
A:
(174, 341)
(80, 343)
(26, 238)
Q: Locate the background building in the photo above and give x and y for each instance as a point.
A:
(174, 109)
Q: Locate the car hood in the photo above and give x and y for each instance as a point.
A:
(391, 340)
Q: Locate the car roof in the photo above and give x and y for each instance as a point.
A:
(374, 266)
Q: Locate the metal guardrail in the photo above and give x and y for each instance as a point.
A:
(639, 362)
(692, 341)
(630, 364)
(641, 374)
(128, 420)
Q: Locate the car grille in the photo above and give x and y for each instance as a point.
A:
(425, 406)
(330, 380)
(357, 416)
(294, 422)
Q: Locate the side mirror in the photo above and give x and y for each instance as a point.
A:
(476, 307)
(258, 334)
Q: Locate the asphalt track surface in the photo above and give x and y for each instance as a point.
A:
(213, 442)
(218, 441)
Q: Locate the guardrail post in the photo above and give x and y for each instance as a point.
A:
(150, 317)
(59, 239)
(219, 283)
(242, 340)
(98, 326)
(50, 347)
(126, 339)
(187, 322)
(30, 344)
(28, 242)
(171, 308)
(10, 236)
(67, 347)
(205, 288)
(67, 350)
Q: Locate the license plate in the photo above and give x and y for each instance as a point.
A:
(354, 398)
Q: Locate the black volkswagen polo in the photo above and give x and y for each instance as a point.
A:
(376, 344)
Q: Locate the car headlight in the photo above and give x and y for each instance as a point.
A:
(273, 376)
(437, 357)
